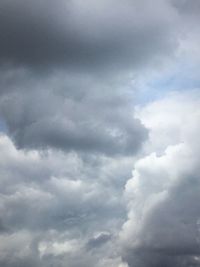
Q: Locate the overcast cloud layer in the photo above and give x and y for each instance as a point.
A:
(99, 133)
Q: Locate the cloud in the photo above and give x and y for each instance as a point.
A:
(71, 73)
(50, 113)
(163, 195)
(66, 71)
(98, 240)
(85, 35)
(52, 207)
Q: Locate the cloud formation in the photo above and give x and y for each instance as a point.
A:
(85, 98)
(85, 35)
(163, 195)
(59, 68)
(52, 209)
(69, 113)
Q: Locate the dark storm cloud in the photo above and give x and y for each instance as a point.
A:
(84, 35)
(83, 105)
(69, 113)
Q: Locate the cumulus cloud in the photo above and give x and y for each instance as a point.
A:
(70, 113)
(67, 69)
(163, 195)
(52, 208)
(71, 75)
(65, 209)
(59, 68)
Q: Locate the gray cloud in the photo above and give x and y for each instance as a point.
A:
(52, 204)
(81, 105)
(98, 240)
(187, 7)
(92, 118)
(70, 134)
(88, 35)
(54, 190)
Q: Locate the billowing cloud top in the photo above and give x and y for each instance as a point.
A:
(93, 93)
(163, 195)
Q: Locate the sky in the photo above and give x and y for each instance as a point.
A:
(99, 133)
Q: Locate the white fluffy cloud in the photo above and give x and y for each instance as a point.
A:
(163, 195)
